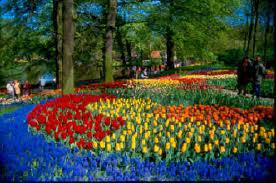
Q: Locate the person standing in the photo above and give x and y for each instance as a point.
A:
(10, 89)
(243, 73)
(17, 89)
(26, 88)
(258, 73)
(144, 74)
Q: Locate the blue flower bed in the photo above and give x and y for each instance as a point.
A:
(28, 157)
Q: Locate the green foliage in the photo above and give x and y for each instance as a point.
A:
(190, 97)
(231, 57)
(267, 85)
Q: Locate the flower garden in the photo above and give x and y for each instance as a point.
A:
(176, 127)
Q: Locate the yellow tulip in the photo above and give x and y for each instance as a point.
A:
(129, 132)
(197, 148)
(259, 146)
(193, 130)
(143, 142)
(102, 144)
(108, 147)
(199, 138)
(190, 134)
(179, 134)
(235, 150)
(206, 147)
(188, 140)
(227, 140)
(256, 127)
(185, 127)
(174, 145)
(133, 145)
(243, 139)
(154, 130)
(168, 134)
(160, 152)
(172, 127)
(107, 139)
(216, 142)
(161, 127)
(228, 127)
(222, 132)
(168, 146)
(155, 148)
(156, 140)
(95, 145)
(212, 136)
(113, 136)
(118, 147)
(122, 138)
(222, 149)
(234, 134)
(172, 140)
(122, 145)
(141, 129)
(267, 140)
(210, 147)
(144, 149)
(184, 147)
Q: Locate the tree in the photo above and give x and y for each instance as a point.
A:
(250, 26)
(68, 48)
(110, 26)
(267, 28)
(57, 23)
(274, 56)
(256, 14)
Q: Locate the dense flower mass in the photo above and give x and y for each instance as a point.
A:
(178, 132)
(174, 127)
(116, 84)
(32, 158)
(67, 119)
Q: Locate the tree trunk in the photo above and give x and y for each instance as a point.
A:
(57, 22)
(245, 34)
(266, 34)
(68, 47)
(170, 49)
(110, 26)
(128, 49)
(250, 27)
(122, 50)
(256, 12)
(274, 57)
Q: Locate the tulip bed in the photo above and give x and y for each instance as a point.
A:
(169, 128)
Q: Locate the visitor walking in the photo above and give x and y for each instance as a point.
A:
(26, 88)
(17, 89)
(10, 89)
(42, 83)
(258, 73)
(243, 73)
(144, 74)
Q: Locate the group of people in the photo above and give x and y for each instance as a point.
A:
(144, 72)
(253, 73)
(14, 89)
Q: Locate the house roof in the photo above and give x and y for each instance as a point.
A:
(155, 54)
